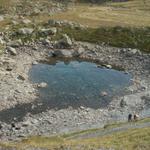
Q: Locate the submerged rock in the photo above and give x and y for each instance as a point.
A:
(103, 93)
(42, 85)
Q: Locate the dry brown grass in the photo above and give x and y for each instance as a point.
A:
(133, 13)
(133, 139)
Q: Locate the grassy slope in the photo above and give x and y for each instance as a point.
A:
(114, 36)
(137, 139)
(134, 13)
(122, 24)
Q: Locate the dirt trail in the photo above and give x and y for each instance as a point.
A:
(101, 133)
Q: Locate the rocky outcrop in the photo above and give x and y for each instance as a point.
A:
(64, 43)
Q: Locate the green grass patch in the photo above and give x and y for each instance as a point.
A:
(115, 36)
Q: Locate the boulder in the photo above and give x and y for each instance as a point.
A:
(46, 42)
(64, 43)
(79, 52)
(1, 18)
(15, 43)
(25, 31)
(46, 32)
(53, 23)
(122, 103)
(12, 51)
(2, 41)
(130, 52)
(22, 77)
(26, 21)
(63, 53)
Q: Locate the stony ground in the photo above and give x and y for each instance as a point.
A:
(24, 43)
(17, 85)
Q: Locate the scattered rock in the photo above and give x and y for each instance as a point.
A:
(22, 77)
(2, 41)
(25, 31)
(48, 32)
(26, 21)
(1, 18)
(123, 103)
(15, 43)
(46, 42)
(79, 52)
(12, 51)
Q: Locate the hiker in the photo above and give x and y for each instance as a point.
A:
(136, 117)
(129, 117)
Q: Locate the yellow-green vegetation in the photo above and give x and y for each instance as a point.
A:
(137, 139)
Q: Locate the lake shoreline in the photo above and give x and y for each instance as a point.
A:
(65, 120)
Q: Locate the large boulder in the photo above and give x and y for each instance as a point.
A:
(64, 43)
(63, 53)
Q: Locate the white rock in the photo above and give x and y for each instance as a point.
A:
(34, 63)
(25, 31)
(103, 93)
(1, 18)
(42, 85)
(26, 21)
(12, 50)
(108, 66)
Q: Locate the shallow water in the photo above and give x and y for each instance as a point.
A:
(70, 83)
(78, 83)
